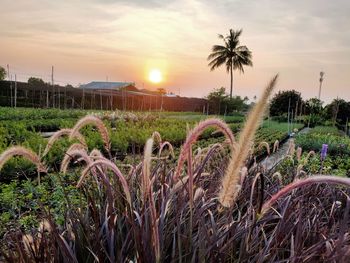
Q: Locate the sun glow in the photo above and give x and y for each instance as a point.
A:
(155, 76)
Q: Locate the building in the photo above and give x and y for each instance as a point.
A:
(117, 86)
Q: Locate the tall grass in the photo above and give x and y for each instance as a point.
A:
(162, 212)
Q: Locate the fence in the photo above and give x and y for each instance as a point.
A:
(22, 94)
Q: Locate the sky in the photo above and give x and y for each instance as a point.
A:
(123, 40)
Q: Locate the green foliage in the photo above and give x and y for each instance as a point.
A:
(24, 202)
(337, 145)
(12, 114)
(311, 120)
(338, 111)
(220, 103)
(313, 106)
(328, 130)
(2, 73)
(280, 102)
(36, 82)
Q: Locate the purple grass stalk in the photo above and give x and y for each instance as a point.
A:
(256, 177)
(193, 136)
(154, 225)
(302, 183)
(116, 171)
(190, 177)
(95, 174)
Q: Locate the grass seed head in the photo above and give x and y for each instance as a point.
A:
(299, 153)
(266, 145)
(193, 135)
(276, 146)
(228, 192)
(92, 120)
(70, 154)
(24, 152)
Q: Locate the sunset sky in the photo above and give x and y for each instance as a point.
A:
(124, 40)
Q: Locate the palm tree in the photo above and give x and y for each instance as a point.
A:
(231, 54)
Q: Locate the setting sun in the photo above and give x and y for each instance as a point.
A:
(155, 76)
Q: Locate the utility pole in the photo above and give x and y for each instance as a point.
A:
(53, 88)
(11, 102)
(321, 80)
(15, 90)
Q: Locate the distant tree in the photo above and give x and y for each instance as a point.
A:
(216, 99)
(236, 104)
(217, 94)
(161, 91)
(338, 111)
(221, 103)
(231, 54)
(313, 106)
(280, 102)
(32, 81)
(2, 73)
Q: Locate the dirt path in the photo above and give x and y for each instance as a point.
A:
(270, 161)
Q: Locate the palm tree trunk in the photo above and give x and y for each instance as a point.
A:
(231, 82)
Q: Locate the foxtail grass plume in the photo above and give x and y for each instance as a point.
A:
(266, 145)
(59, 134)
(308, 156)
(278, 175)
(92, 120)
(156, 137)
(72, 154)
(276, 146)
(28, 243)
(300, 169)
(291, 148)
(299, 153)
(24, 152)
(146, 168)
(170, 148)
(230, 182)
(330, 179)
(96, 154)
(193, 136)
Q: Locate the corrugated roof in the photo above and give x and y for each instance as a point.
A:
(106, 85)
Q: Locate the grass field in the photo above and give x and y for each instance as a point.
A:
(118, 194)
